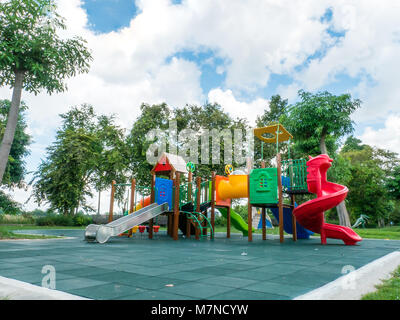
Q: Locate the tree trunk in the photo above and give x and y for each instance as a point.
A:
(98, 203)
(12, 121)
(322, 144)
(344, 219)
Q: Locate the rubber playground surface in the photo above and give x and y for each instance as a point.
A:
(162, 268)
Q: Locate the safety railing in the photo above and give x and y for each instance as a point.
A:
(294, 176)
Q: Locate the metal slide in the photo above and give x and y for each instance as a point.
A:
(101, 233)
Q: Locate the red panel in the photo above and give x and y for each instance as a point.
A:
(162, 167)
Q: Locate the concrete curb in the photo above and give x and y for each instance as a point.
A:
(11, 289)
(357, 283)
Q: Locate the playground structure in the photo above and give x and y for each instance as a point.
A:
(187, 205)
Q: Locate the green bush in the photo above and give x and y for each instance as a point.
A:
(53, 219)
(24, 218)
(82, 220)
(8, 205)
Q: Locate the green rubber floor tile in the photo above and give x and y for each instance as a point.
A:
(107, 291)
(242, 294)
(196, 290)
(8, 266)
(228, 281)
(22, 260)
(151, 283)
(9, 273)
(187, 275)
(238, 266)
(215, 271)
(37, 277)
(155, 295)
(85, 271)
(76, 283)
(305, 278)
(249, 274)
(278, 289)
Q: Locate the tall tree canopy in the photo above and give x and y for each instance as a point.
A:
(88, 152)
(33, 56)
(320, 118)
(16, 166)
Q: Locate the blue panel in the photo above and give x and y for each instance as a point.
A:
(164, 191)
(302, 233)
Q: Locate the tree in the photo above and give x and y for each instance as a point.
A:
(34, 57)
(112, 159)
(15, 170)
(208, 117)
(322, 118)
(151, 117)
(86, 154)
(368, 192)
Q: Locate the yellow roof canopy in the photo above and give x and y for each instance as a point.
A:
(272, 132)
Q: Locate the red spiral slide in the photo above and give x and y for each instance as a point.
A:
(311, 213)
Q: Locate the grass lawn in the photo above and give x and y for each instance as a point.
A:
(391, 233)
(7, 234)
(388, 290)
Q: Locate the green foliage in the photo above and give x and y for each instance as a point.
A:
(151, 117)
(8, 205)
(29, 43)
(208, 116)
(319, 120)
(393, 183)
(53, 219)
(82, 156)
(15, 170)
(20, 218)
(365, 172)
(241, 209)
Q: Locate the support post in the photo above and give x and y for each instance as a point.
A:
(212, 204)
(280, 198)
(198, 199)
(189, 198)
(294, 227)
(110, 214)
(263, 214)
(228, 222)
(132, 202)
(152, 200)
(176, 207)
(249, 212)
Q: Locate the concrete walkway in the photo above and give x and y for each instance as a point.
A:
(11, 289)
(357, 283)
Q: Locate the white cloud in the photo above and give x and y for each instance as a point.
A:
(369, 50)
(236, 108)
(387, 137)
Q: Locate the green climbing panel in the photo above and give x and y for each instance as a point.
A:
(264, 186)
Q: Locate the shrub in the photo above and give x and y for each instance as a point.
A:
(8, 205)
(53, 219)
(82, 220)
(17, 219)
